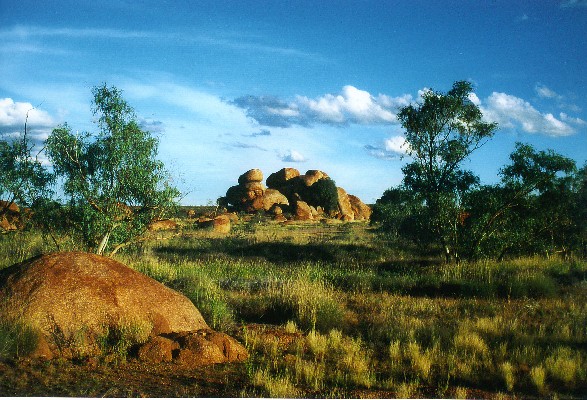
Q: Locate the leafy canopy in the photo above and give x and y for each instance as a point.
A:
(115, 184)
(441, 133)
(23, 178)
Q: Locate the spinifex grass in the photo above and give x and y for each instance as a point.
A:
(362, 315)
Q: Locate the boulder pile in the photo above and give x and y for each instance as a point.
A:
(291, 195)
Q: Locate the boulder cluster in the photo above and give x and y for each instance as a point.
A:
(291, 195)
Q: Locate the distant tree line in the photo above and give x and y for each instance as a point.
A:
(538, 207)
(112, 184)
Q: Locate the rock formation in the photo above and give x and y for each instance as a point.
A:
(292, 195)
(12, 217)
(73, 299)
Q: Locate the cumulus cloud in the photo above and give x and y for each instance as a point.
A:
(513, 112)
(392, 148)
(293, 156)
(271, 111)
(13, 116)
(397, 144)
(350, 106)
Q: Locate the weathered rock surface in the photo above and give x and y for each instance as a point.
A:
(220, 224)
(292, 195)
(278, 179)
(303, 212)
(11, 216)
(361, 211)
(344, 204)
(312, 176)
(163, 225)
(274, 197)
(252, 175)
(79, 297)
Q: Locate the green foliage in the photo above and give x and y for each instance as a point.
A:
(531, 211)
(114, 183)
(441, 133)
(537, 208)
(23, 179)
(322, 193)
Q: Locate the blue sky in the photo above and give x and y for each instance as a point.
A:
(232, 85)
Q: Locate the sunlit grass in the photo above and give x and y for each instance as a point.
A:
(353, 313)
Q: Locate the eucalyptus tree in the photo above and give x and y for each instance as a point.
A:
(114, 183)
(441, 132)
(23, 178)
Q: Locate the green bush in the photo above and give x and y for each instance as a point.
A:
(322, 193)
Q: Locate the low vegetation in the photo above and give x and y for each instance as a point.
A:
(336, 310)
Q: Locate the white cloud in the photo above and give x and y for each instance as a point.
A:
(392, 148)
(511, 112)
(293, 156)
(474, 99)
(13, 115)
(351, 106)
(576, 121)
(397, 144)
(546, 93)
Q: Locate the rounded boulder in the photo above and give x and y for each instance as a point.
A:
(75, 293)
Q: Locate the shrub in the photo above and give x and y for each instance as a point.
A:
(322, 193)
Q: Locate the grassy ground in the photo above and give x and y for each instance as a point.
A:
(335, 310)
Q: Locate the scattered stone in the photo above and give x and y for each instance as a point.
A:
(220, 224)
(163, 225)
(157, 350)
(193, 349)
(11, 217)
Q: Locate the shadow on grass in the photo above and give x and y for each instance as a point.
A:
(275, 252)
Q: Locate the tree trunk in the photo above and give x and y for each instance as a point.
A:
(103, 243)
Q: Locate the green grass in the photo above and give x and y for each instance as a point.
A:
(361, 315)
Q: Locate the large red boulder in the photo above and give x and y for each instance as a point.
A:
(73, 299)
